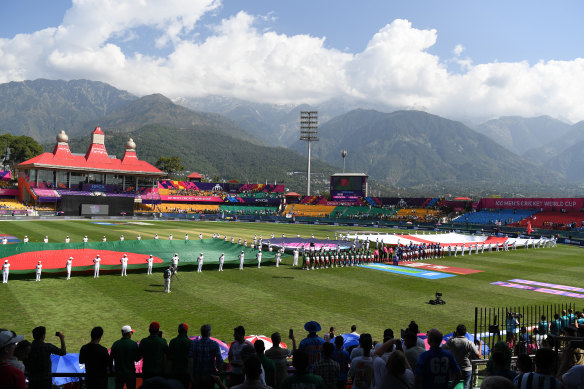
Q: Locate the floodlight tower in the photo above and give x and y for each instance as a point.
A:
(308, 133)
(344, 155)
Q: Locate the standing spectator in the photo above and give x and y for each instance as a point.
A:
(342, 358)
(205, 360)
(124, 354)
(312, 344)
(39, 364)
(574, 378)
(327, 368)
(178, 355)
(268, 365)
(96, 360)
(10, 376)
(463, 350)
(302, 378)
(413, 351)
(427, 375)
(153, 350)
(393, 374)
(362, 366)
(235, 358)
(279, 356)
(543, 377)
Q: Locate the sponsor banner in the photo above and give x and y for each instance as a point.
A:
(259, 201)
(207, 199)
(13, 211)
(408, 271)
(546, 285)
(540, 290)
(547, 204)
(448, 269)
(8, 192)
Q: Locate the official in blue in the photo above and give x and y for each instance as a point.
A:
(312, 344)
(436, 368)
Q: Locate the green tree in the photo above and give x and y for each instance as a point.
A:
(170, 165)
(21, 147)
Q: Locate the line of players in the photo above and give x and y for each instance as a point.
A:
(322, 259)
(415, 252)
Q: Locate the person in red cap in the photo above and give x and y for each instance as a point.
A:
(124, 353)
(153, 350)
(178, 355)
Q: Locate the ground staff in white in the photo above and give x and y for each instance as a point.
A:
(175, 260)
(150, 261)
(200, 266)
(259, 258)
(278, 258)
(241, 258)
(39, 269)
(5, 271)
(124, 262)
(96, 263)
(221, 261)
(295, 261)
(68, 267)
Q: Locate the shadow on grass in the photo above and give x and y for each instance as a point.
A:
(285, 277)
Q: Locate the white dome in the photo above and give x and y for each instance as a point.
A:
(130, 145)
(62, 137)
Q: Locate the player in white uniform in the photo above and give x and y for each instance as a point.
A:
(150, 260)
(122, 238)
(68, 267)
(67, 239)
(259, 258)
(25, 240)
(295, 261)
(170, 237)
(175, 260)
(85, 239)
(200, 263)
(5, 271)
(124, 262)
(104, 239)
(221, 261)
(278, 258)
(39, 269)
(46, 240)
(96, 263)
(156, 236)
(139, 237)
(201, 236)
(241, 259)
(4, 240)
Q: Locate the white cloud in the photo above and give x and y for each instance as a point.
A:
(239, 60)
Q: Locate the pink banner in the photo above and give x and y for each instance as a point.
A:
(547, 204)
(8, 192)
(206, 199)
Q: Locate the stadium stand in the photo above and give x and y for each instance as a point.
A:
(554, 220)
(11, 204)
(499, 217)
(309, 210)
(187, 208)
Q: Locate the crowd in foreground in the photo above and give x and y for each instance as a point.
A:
(318, 362)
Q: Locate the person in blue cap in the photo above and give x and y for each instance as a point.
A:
(312, 344)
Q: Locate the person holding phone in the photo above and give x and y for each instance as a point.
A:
(39, 359)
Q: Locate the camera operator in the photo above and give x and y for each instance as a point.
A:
(512, 322)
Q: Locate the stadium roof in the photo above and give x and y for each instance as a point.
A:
(194, 175)
(95, 160)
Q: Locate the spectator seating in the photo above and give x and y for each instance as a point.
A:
(309, 210)
(416, 213)
(502, 217)
(187, 208)
(11, 204)
(248, 210)
(554, 220)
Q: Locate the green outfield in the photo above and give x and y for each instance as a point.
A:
(267, 299)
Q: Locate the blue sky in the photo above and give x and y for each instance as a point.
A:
(524, 57)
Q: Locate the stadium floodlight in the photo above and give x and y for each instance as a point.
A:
(344, 155)
(309, 134)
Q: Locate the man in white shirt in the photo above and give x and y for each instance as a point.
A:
(25, 240)
(46, 240)
(122, 238)
(278, 258)
(96, 263)
(362, 366)
(200, 236)
(104, 239)
(85, 239)
(200, 263)
(139, 237)
(39, 269)
(68, 267)
(175, 260)
(221, 261)
(124, 262)
(295, 261)
(241, 259)
(67, 239)
(156, 236)
(170, 237)
(259, 258)
(5, 271)
(150, 260)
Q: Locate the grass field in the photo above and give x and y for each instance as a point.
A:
(267, 299)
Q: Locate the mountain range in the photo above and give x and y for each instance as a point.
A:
(223, 137)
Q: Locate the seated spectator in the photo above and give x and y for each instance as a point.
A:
(327, 368)
(10, 376)
(543, 377)
(302, 378)
(395, 373)
(38, 363)
(572, 355)
(252, 369)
